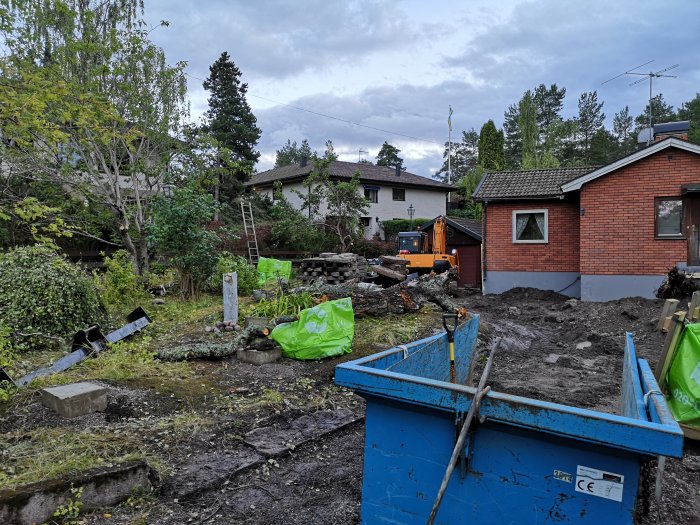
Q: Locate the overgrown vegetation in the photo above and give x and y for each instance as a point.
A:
(282, 304)
(120, 287)
(246, 273)
(45, 298)
(393, 227)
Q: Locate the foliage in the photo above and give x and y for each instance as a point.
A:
(691, 111)
(282, 304)
(466, 187)
(68, 512)
(590, 120)
(44, 296)
(231, 122)
(660, 112)
(119, 286)
(463, 157)
(246, 273)
(92, 106)
(343, 199)
(8, 358)
(527, 125)
(179, 232)
(373, 247)
(291, 154)
(393, 227)
(294, 230)
(491, 156)
(389, 156)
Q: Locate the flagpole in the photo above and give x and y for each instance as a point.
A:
(449, 157)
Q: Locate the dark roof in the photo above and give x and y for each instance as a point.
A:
(526, 184)
(469, 227)
(672, 127)
(345, 170)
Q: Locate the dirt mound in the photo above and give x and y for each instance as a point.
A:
(532, 294)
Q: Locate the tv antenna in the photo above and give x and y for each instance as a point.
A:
(651, 76)
(359, 155)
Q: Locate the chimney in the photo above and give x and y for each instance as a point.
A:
(398, 170)
(304, 160)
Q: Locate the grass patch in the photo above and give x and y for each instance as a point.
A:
(50, 453)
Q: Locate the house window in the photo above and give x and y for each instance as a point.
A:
(372, 195)
(364, 221)
(669, 217)
(530, 226)
(398, 194)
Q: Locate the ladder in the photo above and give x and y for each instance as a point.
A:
(249, 229)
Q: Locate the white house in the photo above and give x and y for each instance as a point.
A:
(391, 192)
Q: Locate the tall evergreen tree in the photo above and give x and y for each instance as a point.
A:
(290, 153)
(527, 126)
(512, 138)
(590, 120)
(491, 156)
(549, 102)
(464, 157)
(231, 122)
(389, 156)
(691, 111)
(623, 125)
(660, 112)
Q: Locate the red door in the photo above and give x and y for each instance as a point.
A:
(469, 265)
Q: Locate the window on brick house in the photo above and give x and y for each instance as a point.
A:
(530, 226)
(668, 217)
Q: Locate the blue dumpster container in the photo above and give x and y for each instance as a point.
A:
(525, 462)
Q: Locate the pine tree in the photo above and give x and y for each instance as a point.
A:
(590, 120)
(231, 122)
(660, 112)
(691, 111)
(389, 156)
(491, 156)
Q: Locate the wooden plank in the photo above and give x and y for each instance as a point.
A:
(669, 348)
(694, 303)
(668, 310)
(690, 432)
(667, 323)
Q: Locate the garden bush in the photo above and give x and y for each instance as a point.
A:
(393, 227)
(45, 295)
(227, 263)
(120, 287)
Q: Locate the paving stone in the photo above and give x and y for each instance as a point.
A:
(275, 440)
(75, 399)
(552, 358)
(583, 345)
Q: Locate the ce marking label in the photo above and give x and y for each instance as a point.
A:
(599, 483)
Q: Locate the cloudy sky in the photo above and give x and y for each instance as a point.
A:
(396, 66)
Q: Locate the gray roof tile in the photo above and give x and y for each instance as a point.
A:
(533, 184)
(345, 170)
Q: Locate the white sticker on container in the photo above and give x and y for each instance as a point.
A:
(599, 483)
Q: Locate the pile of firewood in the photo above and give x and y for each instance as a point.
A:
(395, 268)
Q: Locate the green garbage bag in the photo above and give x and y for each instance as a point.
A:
(272, 269)
(326, 330)
(683, 378)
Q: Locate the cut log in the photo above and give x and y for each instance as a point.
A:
(391, 274)
(392, 260)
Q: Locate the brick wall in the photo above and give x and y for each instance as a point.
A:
(617, 228)
(560, 254)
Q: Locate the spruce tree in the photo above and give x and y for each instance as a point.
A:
(231, 122)
(491, 156)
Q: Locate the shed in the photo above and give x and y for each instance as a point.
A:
(463, 235)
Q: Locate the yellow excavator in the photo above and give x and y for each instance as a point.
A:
(425, 257)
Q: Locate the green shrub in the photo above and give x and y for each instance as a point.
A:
(393, 227)
(120, 286)
(282, 304)
(45, 295)
(247, 274)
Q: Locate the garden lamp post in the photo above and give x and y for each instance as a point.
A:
(411, 212)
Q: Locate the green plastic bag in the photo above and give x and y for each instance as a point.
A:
(326, 330)
(269, 269)
(683, 378)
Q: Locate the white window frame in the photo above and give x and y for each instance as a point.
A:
(546, 226)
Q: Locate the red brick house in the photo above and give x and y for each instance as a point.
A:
(595, 233)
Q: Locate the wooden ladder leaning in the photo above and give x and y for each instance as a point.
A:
(249, 230)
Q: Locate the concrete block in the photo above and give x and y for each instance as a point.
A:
(75, 399)
(231, 297)
(583, 345)
(257, 357)
(257, 321)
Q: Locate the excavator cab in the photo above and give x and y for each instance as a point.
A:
(411, 242)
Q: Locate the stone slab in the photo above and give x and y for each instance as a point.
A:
(258, 357)
(230, 289)
(207, 471)
(276, 440)
(75, 399)
(103, 487)
(256, 321)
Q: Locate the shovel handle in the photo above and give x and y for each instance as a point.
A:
(450, 328)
